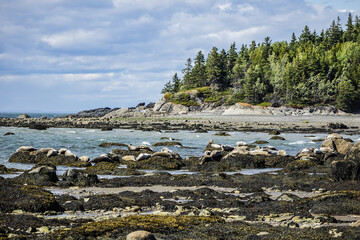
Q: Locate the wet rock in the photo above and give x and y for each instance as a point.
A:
(41, 158)
(26, 198)
(110, 144)
(9, 133)
(337, 203)
(106, 129)
(223, 134)
(274, 132)
(5, 170)
(353, 153)
(39, 176)
(140, 235)
(38, 126)
(287, 197)
(337, 126)
(299, 165)
(76, 177)
(277, 138)
(158, 162)
(167, 144)
(345, 170)
(261, 142)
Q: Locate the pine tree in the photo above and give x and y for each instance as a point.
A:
(305, 36)
(349, 33)
(198, 73)
(213, 70)
(187, 74)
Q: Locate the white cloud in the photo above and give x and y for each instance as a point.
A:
(77, 38)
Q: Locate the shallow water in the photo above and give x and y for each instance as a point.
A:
(86, 141)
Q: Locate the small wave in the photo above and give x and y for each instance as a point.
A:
(72, 132)
(197, 136)
(146, 143)
(297, 143)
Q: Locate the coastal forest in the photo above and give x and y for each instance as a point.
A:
(312, 69)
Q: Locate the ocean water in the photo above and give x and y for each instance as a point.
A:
(33, 115)
(86, 141)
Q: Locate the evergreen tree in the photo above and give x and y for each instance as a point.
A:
(187, 74)
(198, 73)
(213, 70)
(305, 36)
(349, 34)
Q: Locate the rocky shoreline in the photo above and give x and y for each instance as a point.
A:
(310, 124)
(313, 195)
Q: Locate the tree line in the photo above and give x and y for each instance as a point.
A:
(310, 69)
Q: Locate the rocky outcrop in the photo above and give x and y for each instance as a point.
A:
(46, 157)
(26, 198)
(97, 112)
(39, 176)
(76, 177)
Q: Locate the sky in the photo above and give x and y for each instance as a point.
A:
(66, 56)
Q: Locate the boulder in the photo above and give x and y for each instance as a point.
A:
(342, 146)
(27, 198)
(9, 133)
(298, 165)
(274, 132)
(42, 158)
(167, 144)
(354, 152)
(76, 177)
(140, 235)
(39, 176)
(173, 162)
(345, 170)
(110, 144)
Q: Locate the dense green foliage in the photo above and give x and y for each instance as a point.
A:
(312, 69)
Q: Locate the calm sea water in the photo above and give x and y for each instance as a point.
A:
(33, 115)
(86, 141)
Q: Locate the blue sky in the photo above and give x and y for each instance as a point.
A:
(68, 56)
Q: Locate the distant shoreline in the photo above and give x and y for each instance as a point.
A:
(346, 124)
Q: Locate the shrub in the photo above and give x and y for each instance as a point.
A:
(264, 104)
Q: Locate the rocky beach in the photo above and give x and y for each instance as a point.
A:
(187, 176)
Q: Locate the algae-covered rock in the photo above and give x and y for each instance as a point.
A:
(298, 165)
(345, 170)
(167, 144)
(39, 176)
(76, 177)
(110, 144)
(39, 157)
(27, 198)
(158, 162)
(354, 152)
(277, 138)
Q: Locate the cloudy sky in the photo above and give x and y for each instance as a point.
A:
(67, 56)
